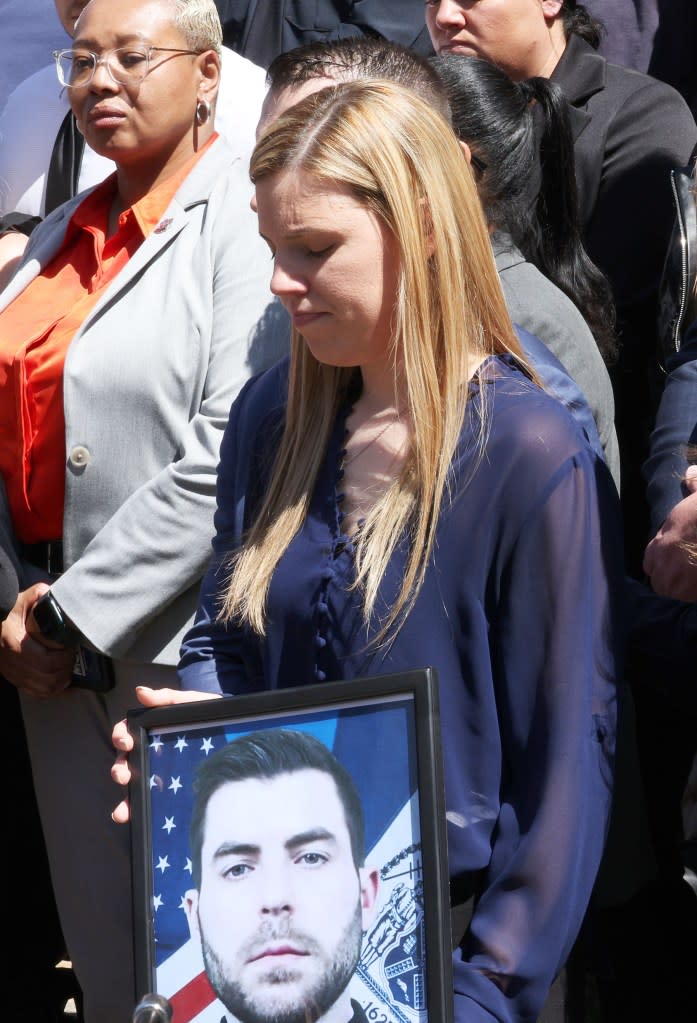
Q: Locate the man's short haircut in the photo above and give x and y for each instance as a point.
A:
(267, 754)
(199, 23)
(356, 58)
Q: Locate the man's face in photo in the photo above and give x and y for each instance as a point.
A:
(282, 906)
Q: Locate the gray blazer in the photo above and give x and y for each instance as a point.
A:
(540, 307)
(148, 382)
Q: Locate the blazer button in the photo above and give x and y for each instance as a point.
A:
(79, 456)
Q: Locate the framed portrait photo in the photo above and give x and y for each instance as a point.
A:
(289, 855)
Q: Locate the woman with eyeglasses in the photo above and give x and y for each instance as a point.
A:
(139, 309)
(43, 157)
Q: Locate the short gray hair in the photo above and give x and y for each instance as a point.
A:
(199, 23)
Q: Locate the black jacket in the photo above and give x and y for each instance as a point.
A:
(657, 36)
(9, 561)
(629, 131)
(261, 29)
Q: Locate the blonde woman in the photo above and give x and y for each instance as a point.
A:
(402, 493)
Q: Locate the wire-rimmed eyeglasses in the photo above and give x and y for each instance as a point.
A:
(127, 65)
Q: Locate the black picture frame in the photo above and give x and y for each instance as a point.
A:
(385, 731)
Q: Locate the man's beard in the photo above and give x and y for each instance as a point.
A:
(317, 1000)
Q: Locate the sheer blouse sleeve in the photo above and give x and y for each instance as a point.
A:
(554, 648)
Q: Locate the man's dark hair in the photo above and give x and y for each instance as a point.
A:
(265, 755)
(356, 58)
(578, 21)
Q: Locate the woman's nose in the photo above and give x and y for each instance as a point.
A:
(102, 78)
(450, 14)
(284, 281)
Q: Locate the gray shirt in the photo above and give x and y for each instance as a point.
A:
(540, 307)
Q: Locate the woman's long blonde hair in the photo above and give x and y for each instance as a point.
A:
(400, 158)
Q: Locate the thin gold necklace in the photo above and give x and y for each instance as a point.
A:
(373, 440)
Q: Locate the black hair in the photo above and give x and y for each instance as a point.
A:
(496, 117)
(356, 58)
(264, 755)
(578, 21)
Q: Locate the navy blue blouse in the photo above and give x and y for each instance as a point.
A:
(517, 616)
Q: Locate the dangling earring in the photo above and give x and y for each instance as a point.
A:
(203, 111)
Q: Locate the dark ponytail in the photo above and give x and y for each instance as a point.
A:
(556, 247)
(494, 116)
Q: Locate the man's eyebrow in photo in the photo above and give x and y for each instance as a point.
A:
(307, 837)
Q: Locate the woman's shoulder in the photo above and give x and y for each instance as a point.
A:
(531, 449)
(536, 300)
(540, 307)
(616, 96)
(261, 402)
(628, 94)
(218, 170)
(267, 389)
(535, 303)
(526, 424)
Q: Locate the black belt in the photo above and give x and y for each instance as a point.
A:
(47, 555)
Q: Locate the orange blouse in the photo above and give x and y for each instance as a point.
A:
(35, 332)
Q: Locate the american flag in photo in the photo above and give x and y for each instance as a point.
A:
(181, 978)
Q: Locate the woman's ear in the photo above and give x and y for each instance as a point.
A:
(209, 65)
(475, 162)
(552, 8)
(466, 150)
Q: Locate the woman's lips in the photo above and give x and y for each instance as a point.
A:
(301, 320)
(105, 117)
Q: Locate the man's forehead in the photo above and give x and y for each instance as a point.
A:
(277, 101)
(287, 802)
(289, 783)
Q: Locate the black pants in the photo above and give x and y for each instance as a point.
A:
(33, 990)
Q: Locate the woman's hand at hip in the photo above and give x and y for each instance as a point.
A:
(34, 668)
